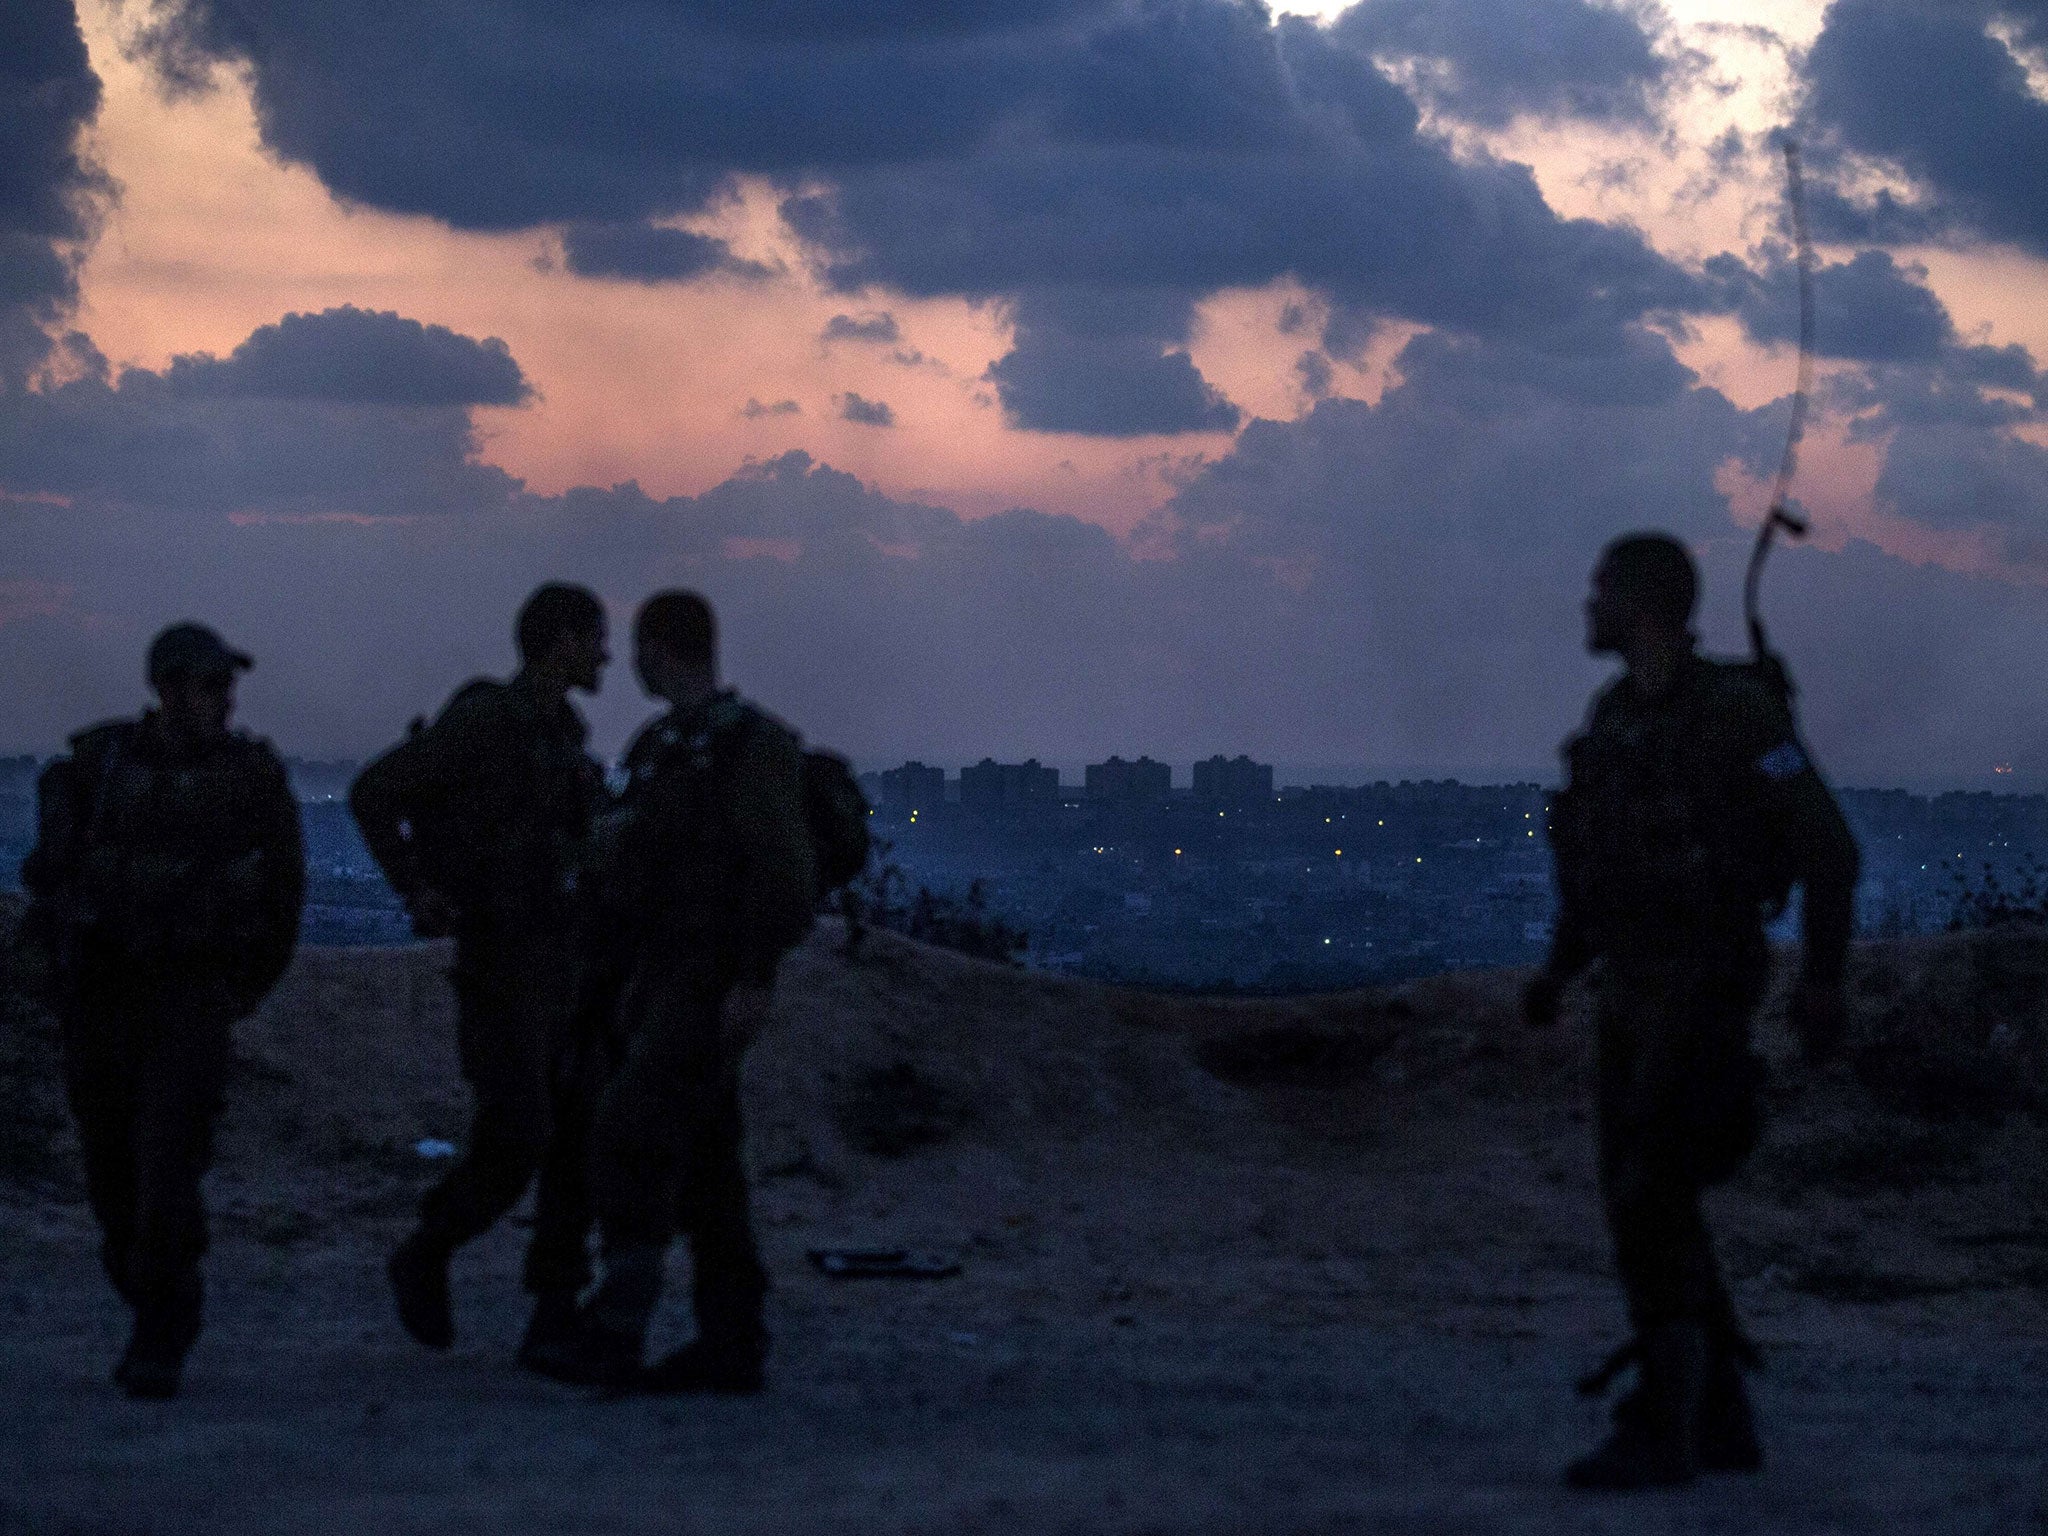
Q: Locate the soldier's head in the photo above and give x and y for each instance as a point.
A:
(192, 672)
(675, 646)
(1645, 587)
(561, 634)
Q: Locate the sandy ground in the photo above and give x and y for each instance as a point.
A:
(1276, 1266)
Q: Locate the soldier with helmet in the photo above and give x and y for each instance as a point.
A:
(166, 886)
(1691, 810)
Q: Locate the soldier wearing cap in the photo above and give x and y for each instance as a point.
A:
(1692, 809)
(165, 888)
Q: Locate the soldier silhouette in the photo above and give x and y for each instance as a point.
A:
(166, 885)
(1691, 810)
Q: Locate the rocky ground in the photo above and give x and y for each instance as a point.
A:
(1281, 1265)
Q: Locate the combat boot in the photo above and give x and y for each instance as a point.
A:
(553, 1324)
(603, 1348)
(731, 1347)
(587, 1354)
(153, 1365)
(114, 1260)
(1656, 1429)
(1727, 1434)
(731, 1367)
(418, 1270)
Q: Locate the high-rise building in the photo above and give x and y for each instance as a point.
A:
(1125, 782)
(1233, 780)
(913, 787)
(993, 786)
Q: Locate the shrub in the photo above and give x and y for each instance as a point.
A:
(883, 898)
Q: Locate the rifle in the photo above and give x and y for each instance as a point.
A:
(1767, 661)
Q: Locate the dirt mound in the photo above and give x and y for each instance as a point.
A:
(924, 1078)
(1201, 1242)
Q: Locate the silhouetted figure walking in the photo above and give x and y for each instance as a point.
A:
(714, 878)
(166, 886)
(1691, 810)
(481, 823)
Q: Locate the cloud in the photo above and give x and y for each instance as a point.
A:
(1929, 87)
(753, 410)
(650, 253)
(610, 112)
(879, 327)
(341, 414)
(50, 192)
(1949, 475)
(1316, 375)
(1108, 365)
(1867, 309)
(866, 413)
(1096, 157)
(1392, 584)
(351, 356)
(1489, 62)
(1108, 386)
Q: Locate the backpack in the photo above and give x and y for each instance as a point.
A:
(837, 814)
(1658, 825)
(835, 810)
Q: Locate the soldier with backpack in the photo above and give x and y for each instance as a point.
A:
(728, 831)
(165, 887)
(482, 822)
(1691, 811)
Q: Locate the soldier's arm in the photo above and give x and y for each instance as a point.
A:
(283, 845)
(772, 844)
(1801, 812)
(60, 826)
(1828, 863)
(426, 768)
(1572, 948)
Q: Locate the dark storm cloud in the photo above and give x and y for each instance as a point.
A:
(1339, 191)
(1112, 365)
(1107, 386)
(1867, 309)
(880, 328)
(1953, 476)
(865, 413)
(1979, 387)
(1149, 152)
(1395, 583)
(1489, 62)
(1941, 409)
(649, 253)
(346, 413)
(49, 191)
(1926, 86)
(1316, 374)
(351, 356)
(607, 112)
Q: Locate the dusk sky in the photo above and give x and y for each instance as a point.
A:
(1049, 377)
